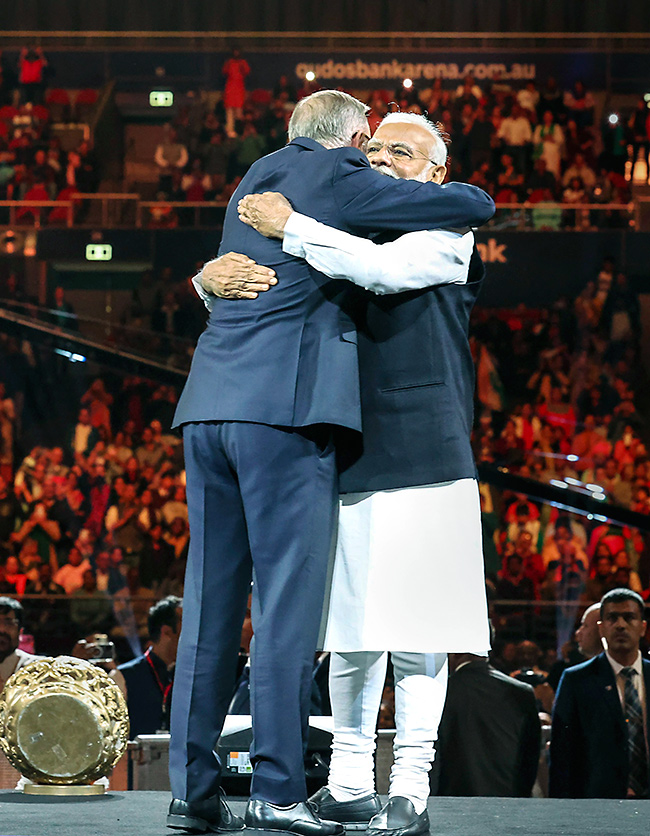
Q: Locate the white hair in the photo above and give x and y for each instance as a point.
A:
(330, 117)
(438, 153)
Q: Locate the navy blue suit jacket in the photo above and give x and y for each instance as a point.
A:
(289, 357)
(589, 743)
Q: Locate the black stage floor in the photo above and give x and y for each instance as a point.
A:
(143, 814)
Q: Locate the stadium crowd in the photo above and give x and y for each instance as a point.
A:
(34, 164)
(540, 143)
(535, 144)
(98, 513)
(558, 395)
(93, 518)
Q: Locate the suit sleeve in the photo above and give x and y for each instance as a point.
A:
(529, 751)
(373, 202)
(563, 751)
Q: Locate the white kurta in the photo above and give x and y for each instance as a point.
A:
(408, 573)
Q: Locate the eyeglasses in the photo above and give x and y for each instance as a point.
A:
(8, 621)
(395, 150)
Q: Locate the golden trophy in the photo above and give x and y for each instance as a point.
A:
(64, 724)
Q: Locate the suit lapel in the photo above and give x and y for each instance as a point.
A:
(608, 689)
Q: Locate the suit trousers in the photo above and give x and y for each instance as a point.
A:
(356, 687)
(262, 504)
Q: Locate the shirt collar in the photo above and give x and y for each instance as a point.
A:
(617, 668)
(306, 142)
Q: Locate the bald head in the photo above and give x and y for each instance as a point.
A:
(587, 634)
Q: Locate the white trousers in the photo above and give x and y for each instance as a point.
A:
(356, 687)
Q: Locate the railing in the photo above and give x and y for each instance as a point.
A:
(109, 201)
(169, 366)
(554, 216)
(128, 210)
(147, 205)
(15, 205)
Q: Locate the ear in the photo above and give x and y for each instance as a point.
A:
(359, 140)
(437, 173)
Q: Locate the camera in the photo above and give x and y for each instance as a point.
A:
(101, 650)
(531, 677)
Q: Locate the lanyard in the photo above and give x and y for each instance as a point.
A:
(164, 690)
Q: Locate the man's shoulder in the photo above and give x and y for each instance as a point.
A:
(592, 667)
(509, 683)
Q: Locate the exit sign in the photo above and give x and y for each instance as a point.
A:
(161, 98)
(99, 252)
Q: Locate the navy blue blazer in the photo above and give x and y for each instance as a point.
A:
(289, 357)
(417, 388)
(589, 743)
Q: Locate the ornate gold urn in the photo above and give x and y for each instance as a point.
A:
(63, 724)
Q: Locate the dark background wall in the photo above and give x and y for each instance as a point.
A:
(519, 269)
(335, 15)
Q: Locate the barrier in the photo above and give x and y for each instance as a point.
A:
(128, 211)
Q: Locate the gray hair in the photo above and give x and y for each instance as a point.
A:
(329, 117)
(438, 148)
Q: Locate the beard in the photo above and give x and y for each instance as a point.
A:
(384, 169)
(422, 177)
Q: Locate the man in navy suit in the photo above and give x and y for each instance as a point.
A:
(599, 739)
(270, 381)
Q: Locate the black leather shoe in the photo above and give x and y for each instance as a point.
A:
(353, 815)
(213, 814)
(398, 818)
(296, 818)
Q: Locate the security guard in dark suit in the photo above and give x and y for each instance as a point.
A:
(599, 737)
(489, 736)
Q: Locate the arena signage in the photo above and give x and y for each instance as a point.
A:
(359, 69)
(492, 252)
(415, 70)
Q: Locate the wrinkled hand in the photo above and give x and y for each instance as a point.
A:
(235, 276)
(267, 213)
